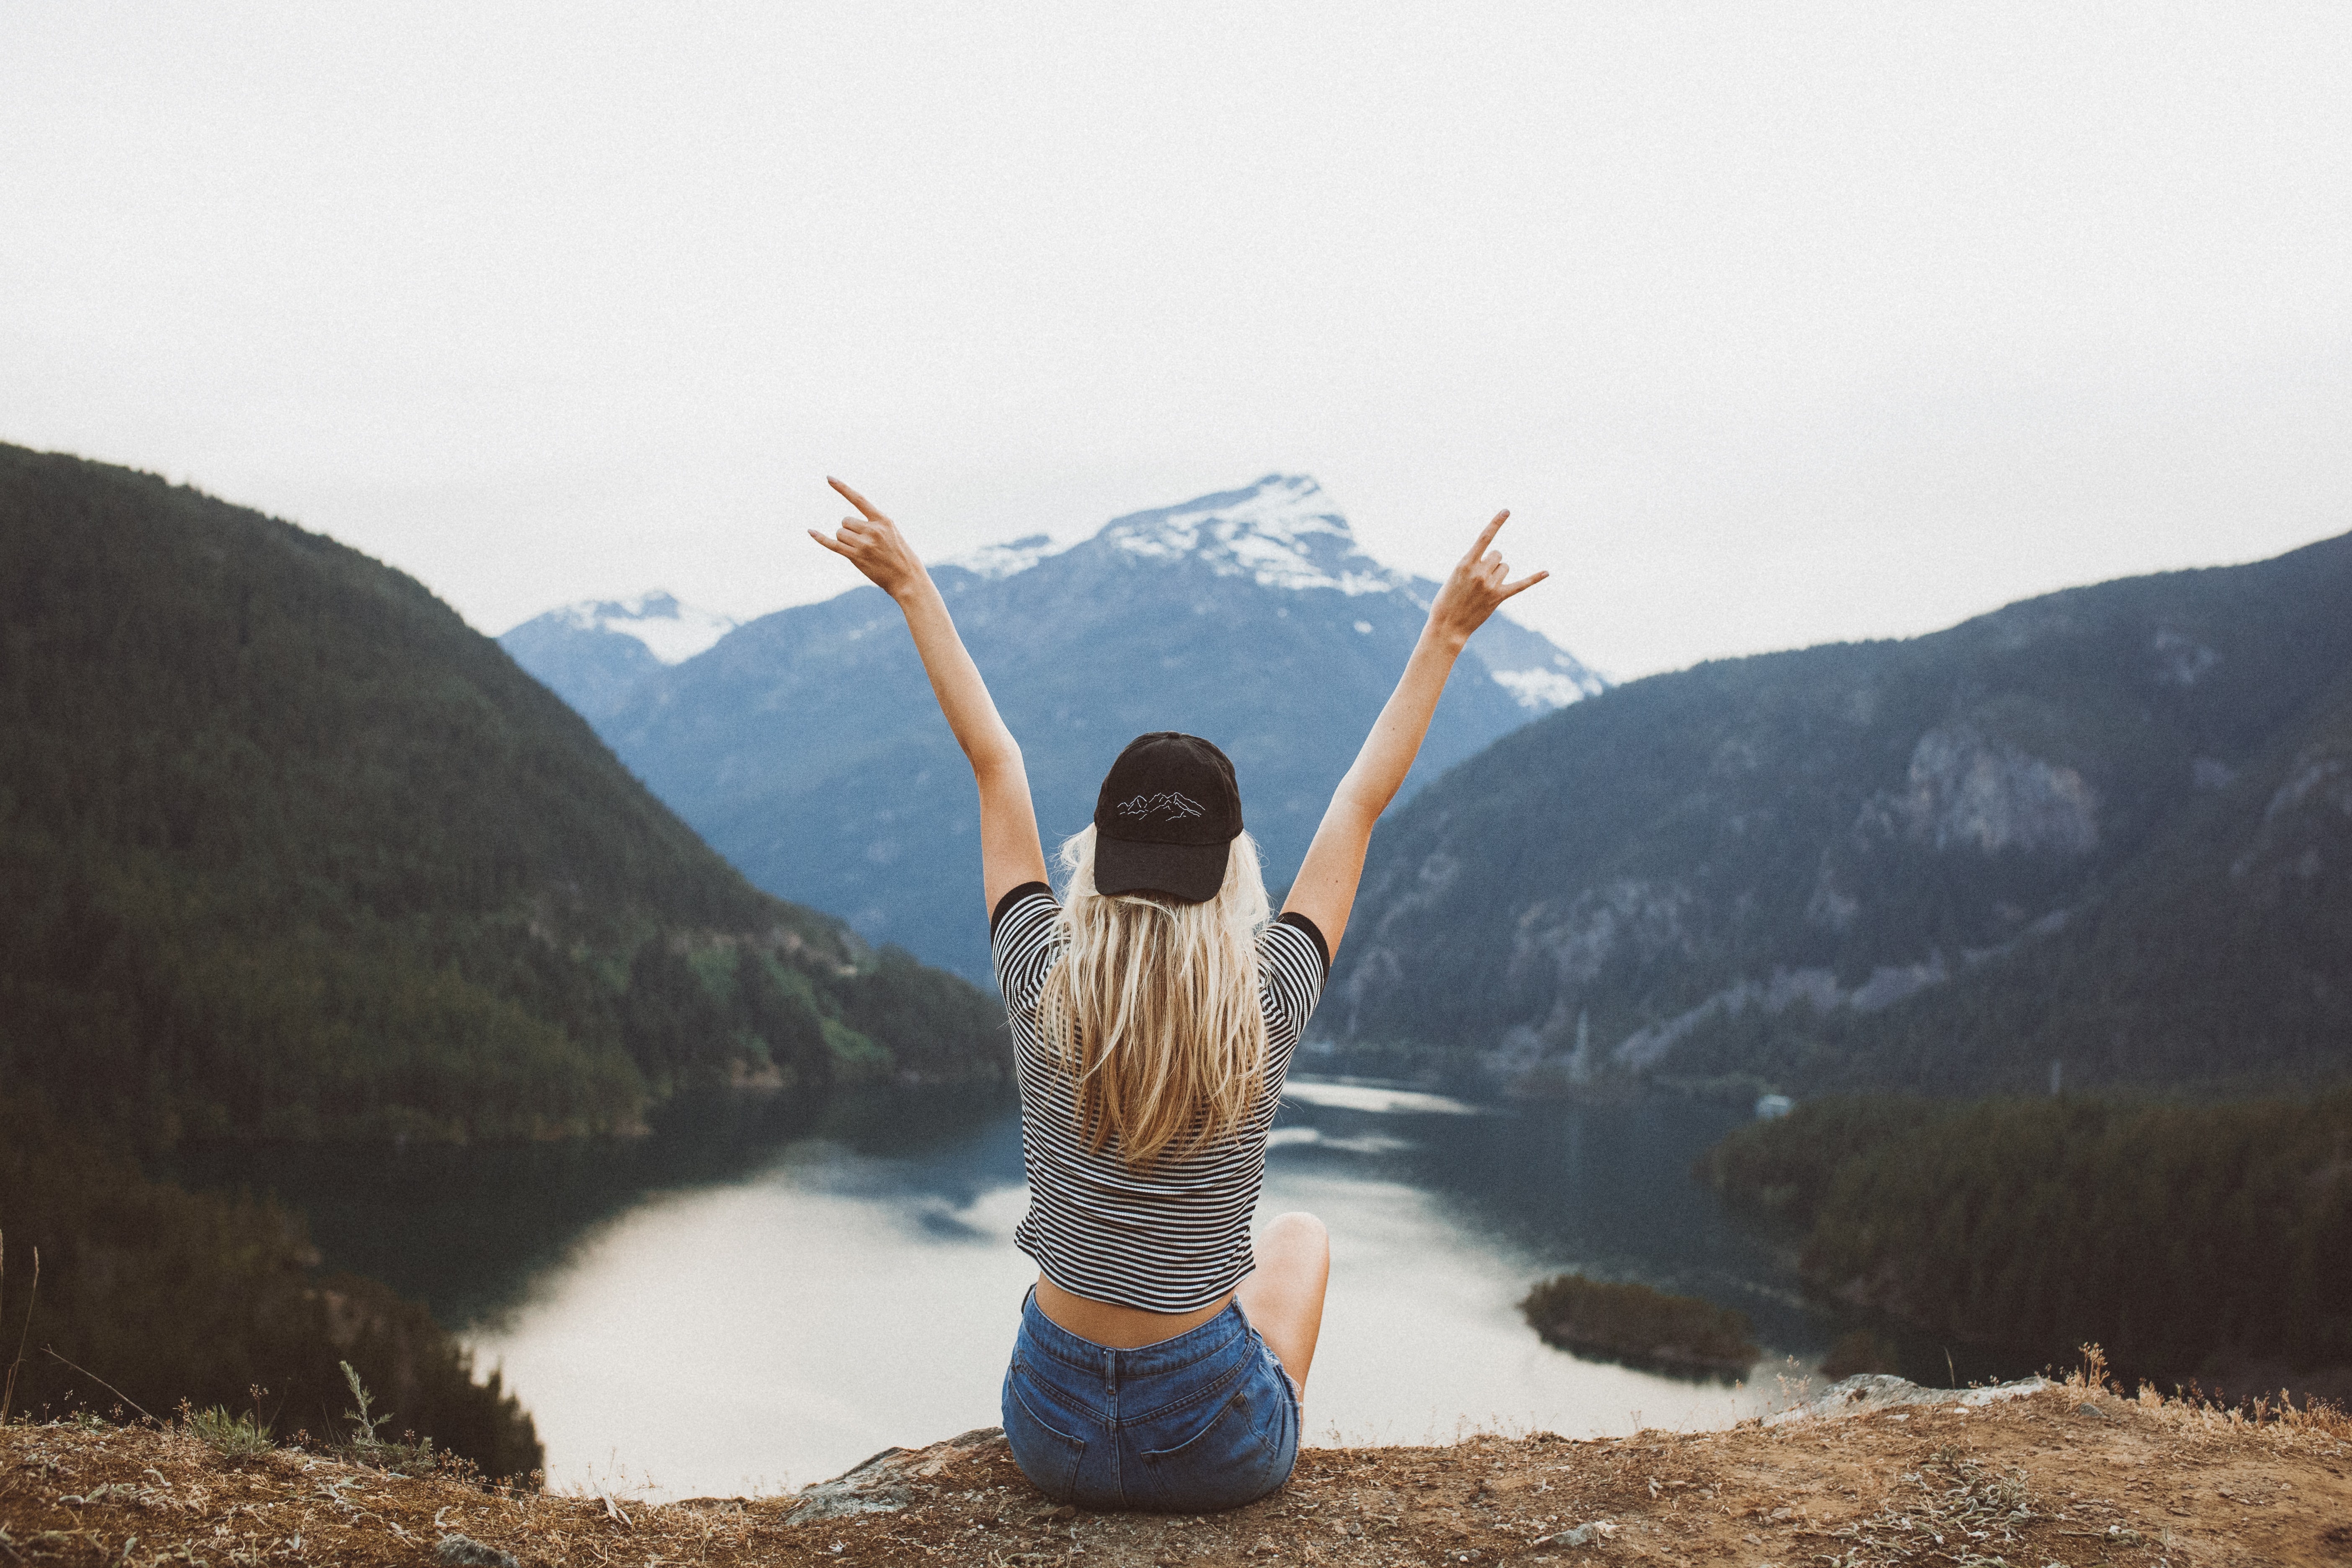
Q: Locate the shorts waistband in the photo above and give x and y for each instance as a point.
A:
(1154, 1360)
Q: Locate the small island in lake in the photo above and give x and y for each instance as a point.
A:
(1640, 1326)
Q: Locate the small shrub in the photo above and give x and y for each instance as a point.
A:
(234, 1438)
(412, 1456)
(362, 1421)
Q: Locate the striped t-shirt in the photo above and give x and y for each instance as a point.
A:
(1174, 1235)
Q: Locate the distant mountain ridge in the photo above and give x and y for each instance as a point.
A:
(592, 652)
(2101, 837)
(805, 746)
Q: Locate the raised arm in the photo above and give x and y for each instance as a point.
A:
(1325, 890)
(1010, 853)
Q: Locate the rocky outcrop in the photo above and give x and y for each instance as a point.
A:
(1872, 1391)
(887, 1482)
(1963, 790)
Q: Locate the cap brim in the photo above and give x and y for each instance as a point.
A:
(1191, 873)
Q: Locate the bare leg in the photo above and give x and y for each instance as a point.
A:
(1284, 1298)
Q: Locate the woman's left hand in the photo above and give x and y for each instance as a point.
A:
(1475, 588)
(872, 543)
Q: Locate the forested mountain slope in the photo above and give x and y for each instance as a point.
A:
(290, 851)
(2179, 1238)
(2105, 835)
(807, 747)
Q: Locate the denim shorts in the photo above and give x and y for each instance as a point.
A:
(1207, 1420)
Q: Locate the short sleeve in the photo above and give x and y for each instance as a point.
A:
(1023, 935)
(1290, 974)
(1322, 948)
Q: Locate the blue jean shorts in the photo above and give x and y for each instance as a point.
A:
(1207, 1420)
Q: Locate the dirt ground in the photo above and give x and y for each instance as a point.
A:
(2070, 1474)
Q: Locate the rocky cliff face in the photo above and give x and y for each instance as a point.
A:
(1964, 790)
(1947, 862)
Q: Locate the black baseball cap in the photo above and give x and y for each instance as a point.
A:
(1167, 817)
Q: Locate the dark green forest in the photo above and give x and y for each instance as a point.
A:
(165, 1296)
(2109, 828)
(2174, 1235)
(294, 852)
(1628, 1322)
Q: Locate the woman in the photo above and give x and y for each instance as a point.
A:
(1159, 1363)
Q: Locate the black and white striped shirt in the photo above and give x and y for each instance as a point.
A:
(1174, 1235)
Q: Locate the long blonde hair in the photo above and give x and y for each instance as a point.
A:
(1153, 1007)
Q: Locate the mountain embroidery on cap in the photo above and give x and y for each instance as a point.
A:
(1144, 807)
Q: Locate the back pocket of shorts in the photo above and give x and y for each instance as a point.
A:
(1047, 1455)
(1232, 1460)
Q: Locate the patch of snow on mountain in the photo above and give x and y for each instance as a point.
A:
(671, 632)
(1524, 663)
(995, 560)
(1541, 690)
(1281, 532)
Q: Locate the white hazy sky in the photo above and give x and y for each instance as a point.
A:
(1773, 324)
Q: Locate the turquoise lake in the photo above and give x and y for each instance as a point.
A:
(762, 1293)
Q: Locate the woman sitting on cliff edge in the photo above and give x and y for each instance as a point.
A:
(1159, 1363)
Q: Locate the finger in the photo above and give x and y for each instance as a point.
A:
(859, 501)
(1523, 584)
(829, 544)
(1488, 536)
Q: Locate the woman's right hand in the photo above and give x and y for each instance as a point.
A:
(1475, 588)
(872, 543)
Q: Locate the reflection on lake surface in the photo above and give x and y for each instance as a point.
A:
(759, 1296)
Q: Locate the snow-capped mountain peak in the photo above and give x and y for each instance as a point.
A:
(672, 632)
(1254, 617)
(1007, 560)
(1282, 533)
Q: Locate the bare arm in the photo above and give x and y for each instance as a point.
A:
(1325, 890)
(1010, 852)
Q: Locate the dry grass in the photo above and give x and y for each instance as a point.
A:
(2077, 1474)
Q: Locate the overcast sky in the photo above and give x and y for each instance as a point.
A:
(1772, 324)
